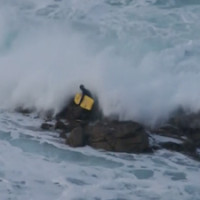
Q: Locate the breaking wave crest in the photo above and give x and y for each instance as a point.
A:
(141, 58)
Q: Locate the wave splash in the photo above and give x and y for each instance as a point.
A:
(139, 57)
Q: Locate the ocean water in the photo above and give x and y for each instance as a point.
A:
(36, 164)
(140, 57)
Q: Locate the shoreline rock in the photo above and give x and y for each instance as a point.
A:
(118, 136)
(182, 131)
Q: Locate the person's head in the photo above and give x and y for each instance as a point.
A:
(81, 86)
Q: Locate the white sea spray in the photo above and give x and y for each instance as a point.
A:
(139, 57)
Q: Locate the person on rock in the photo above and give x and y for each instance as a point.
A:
(84, 114)
(84, 92)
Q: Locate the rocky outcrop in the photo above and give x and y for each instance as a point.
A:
(76, 137)
(189, 126)
(185, 128)
(185, 147)
(71, 112)
(80, 128)
(117, 136)
(47, 126)
(111, 136)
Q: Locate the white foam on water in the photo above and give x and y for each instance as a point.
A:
(37, 165)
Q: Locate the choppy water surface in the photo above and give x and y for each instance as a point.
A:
(35, 164)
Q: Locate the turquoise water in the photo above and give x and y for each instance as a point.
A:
(36, 164)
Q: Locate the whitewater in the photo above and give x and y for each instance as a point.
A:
(140, 57)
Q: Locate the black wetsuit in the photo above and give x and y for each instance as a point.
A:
(85, 92)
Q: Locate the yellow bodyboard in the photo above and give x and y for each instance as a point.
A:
(87, 102)
(77, 98)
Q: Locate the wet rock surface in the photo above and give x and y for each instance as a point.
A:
(80, 128)
(184, 127)
(76, 137)
(117, 136)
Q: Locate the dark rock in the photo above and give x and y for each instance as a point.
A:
(97, 132)
(186, 121)
(117, 136)
(119, 129)
(46, 126)
(189, 146)
(189, 124)
(184, 147)
(23, 110)
(68, 127)
(126, 129)
(195, 137)
(63, 126)
(139, 143)
(76, 137)
(63, 135)
(168, 130)
(171, 146)
(89, 128)
(72, 112)
(47, 115)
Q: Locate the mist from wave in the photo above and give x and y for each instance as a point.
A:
(139, 57)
